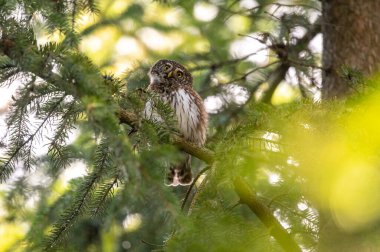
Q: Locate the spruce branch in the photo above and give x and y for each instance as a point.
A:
(131, 119)
(82, 198)
(128, 118)
(248, 197)
(6, 167)
(58, 151)
(105, 191)
(193, 149)
(73, 14)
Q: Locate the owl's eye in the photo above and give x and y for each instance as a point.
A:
(166, 67)
(179, 74)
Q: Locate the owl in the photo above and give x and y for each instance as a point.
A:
(172, 83)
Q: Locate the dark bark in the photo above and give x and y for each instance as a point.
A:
(351, 33)
(351, 40)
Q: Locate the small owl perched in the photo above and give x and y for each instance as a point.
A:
(173, 84)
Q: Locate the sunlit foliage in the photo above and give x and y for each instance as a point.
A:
(75, 178)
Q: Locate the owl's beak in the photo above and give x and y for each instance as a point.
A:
(170, 74)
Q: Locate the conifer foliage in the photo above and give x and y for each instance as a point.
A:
(264, 180)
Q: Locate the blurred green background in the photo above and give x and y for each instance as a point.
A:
(305, 159)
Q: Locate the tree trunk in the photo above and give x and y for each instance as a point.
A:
(351, 40)
(351, 31)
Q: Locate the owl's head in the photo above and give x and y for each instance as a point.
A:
(168, 74)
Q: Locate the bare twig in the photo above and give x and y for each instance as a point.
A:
(300, 63)
(215, 66)
(279, 74)
(250, 11)
(279, 5)
(244, 76)
(152, 244)
(192, 185)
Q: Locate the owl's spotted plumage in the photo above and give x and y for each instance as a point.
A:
(173, 84)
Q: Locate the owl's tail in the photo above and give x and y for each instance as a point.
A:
(180, 174)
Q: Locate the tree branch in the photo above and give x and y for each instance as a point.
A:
(6, 167)
(128, 118)
(193, 149)
(279, 73)
(248, 197)
(274, 80)
(132, 119)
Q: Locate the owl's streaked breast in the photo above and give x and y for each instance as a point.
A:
(189, 111)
